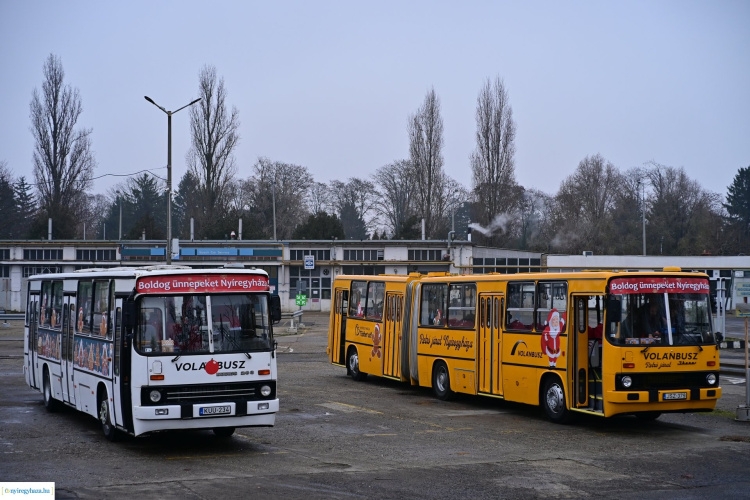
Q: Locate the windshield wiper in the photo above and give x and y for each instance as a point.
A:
(231, 339)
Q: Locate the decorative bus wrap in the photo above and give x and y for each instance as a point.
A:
(601, 343)
(155, 348)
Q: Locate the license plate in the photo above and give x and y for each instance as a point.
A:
(206, 411)
(675, 395)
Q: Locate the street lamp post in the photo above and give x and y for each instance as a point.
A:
(273, 202)
(169, 171)
(643, 216)
(641, 193)
(119, 199)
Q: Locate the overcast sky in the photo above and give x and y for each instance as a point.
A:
(330, 85)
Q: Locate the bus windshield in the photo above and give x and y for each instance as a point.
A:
(199, 324)
(664, 319)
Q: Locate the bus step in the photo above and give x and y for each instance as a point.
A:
(595, 403)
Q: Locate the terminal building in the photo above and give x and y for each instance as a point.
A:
(294, 266)
(309, 266)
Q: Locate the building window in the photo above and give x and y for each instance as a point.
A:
(4, 271)
(96, 255)
(43, 254)
(32, 270)
(363, 255)
(318, 254)
(4, 253)
(310, 282)
(433, 255)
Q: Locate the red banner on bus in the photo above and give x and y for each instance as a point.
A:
(658, 285)
(202, 283)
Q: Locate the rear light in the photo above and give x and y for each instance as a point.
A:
(264, 372)
(156, 377)
(628, 365)
(711, 363)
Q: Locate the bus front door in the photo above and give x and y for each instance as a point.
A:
(580, 360)
(490, 344)
(337, 342)
(393, 318)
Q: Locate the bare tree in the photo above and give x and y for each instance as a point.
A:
(355, 202)
(492, 162)
(214, 138)
(680, 214)
(585, 203)
(396, 204)
(425, 150)
(281, 188)
(625, 236)
(319, 199)
(63, 160)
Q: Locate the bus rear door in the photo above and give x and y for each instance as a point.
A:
(490, 343)
(66, 361)
(392, 325)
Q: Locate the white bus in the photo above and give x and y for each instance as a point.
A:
(155, 348)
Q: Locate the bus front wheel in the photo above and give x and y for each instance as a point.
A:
(352, 364)
(553, 400)
(648, 416)
(223, 432)
(108, 429)
(441, 381)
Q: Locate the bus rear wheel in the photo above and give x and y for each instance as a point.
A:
(352, 364)
(50, 403)
(223, 432)
(553, 400)
(108, 429)
(441, 382)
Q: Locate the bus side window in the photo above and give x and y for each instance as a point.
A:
(520, 313)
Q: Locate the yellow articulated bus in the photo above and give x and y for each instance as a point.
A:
(599, 342)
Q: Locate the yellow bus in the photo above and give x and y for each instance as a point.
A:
(602, 343)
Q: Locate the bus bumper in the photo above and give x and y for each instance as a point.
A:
(175, 417)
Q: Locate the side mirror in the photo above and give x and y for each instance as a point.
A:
(614, 311)
(129, 314)
(275, 308)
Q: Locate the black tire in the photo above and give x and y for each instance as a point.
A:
(105, 419)
(50, 403)
(648, 416)
(352, 364)
(553, 401)
(441, 381)
(223, 432)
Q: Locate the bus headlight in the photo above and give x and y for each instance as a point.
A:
(711, 378)
(155, 396)
(265, 391)
(626, 381)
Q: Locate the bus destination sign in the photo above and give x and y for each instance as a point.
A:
(205, 283)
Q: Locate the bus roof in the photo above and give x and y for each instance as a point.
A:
(136, 272)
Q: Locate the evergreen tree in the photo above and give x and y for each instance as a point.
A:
(319, 226)
(738, 200)
(9, 223)
(26, 204)
(353, 223)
